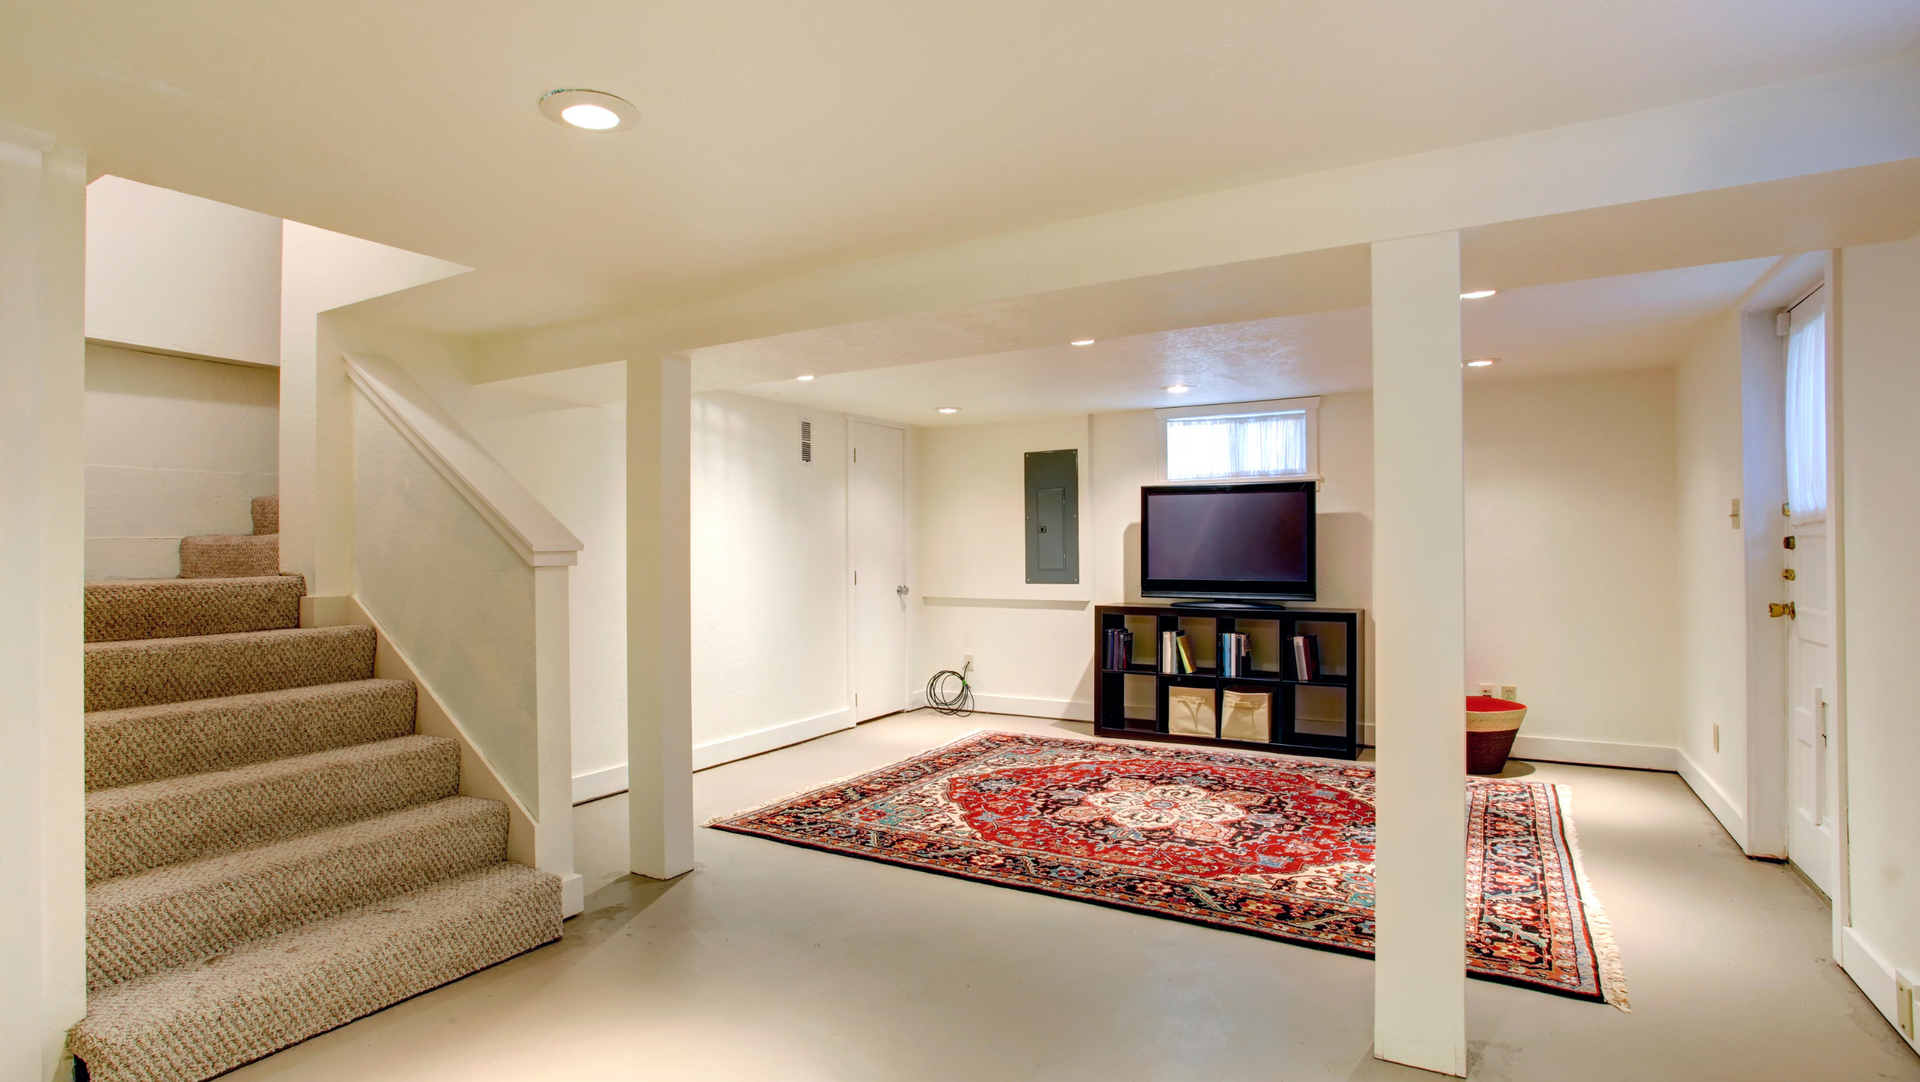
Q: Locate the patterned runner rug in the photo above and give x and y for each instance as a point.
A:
(1278, 847)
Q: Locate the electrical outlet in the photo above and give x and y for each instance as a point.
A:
(1488, 690)
(1510, 693)
(1716, 737)
(969, 661)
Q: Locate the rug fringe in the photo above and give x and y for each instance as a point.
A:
(842, 780)
(1613, 976)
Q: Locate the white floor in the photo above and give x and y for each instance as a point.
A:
(770, 962)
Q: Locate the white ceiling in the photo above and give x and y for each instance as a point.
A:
(1629, 321)
(779, 137)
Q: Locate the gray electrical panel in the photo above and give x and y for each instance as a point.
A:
(1053, 516)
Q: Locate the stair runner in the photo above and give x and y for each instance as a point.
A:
(272, 851)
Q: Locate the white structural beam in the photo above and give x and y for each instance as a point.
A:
(659, 616)
(1419, 600)
(42, 786)
(1845, 120)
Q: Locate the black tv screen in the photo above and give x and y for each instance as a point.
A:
(1251, 541)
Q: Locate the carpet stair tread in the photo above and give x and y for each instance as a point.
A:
(266, 514)
(183, 913)
(225, 556)
(123, 609)
(136, 827)
(195, 1021)
(169, 740)
(147, 672)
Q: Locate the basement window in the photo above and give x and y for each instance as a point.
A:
(1242, 441)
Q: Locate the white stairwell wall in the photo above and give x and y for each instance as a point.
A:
(465, 575)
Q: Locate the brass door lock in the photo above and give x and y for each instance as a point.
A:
(1776, 610)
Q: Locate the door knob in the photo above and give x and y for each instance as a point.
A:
(901, 590)
(1777, 610)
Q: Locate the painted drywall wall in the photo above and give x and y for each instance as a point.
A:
(174, 447)
(1879, 354)
(770, 649)
(1030, 643)
(1572, 563)
(1711, 586)
(973, 508)
(1572, 556)
(175, 273)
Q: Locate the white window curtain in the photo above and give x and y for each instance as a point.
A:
(1249, 445)
(1807, 411)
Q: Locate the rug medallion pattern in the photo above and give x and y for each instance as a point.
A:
(1278, 847)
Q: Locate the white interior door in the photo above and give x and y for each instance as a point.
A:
(877, 534)
(1812, 765)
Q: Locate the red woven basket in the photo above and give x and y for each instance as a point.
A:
(1491, 726)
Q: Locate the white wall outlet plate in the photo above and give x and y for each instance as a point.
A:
(1510, 693)
(1488, 690)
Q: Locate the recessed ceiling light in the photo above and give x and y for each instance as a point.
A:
(1178, 388)
(1483, 362)
(1083, 341)
(804, 379)
(1477, 294)
(589, 110)
(949, 409)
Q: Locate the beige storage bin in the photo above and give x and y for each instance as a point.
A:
(1247, 714)
(1190, 711)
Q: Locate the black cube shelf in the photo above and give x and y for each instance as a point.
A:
(1316, 716)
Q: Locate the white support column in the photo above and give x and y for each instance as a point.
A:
(1419, 599)
(43, 902)
(553, 711)
(659, 616)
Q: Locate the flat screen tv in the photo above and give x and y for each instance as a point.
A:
(1251, 541)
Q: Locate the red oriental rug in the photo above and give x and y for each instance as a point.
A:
(1271, 846)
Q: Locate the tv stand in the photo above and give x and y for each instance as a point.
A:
(1311, 713)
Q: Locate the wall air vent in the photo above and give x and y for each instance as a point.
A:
(806, 441)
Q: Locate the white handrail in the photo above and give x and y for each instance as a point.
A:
(521, 520)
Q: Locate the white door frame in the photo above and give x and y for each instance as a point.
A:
(1763, 490)
(906, 532)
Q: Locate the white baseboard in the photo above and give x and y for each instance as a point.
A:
(1560, 749)
(598, 783)
(739, 747)
(1060, 709)
(1715, 798)
(1876, 976)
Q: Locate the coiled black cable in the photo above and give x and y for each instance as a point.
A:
(954, 703)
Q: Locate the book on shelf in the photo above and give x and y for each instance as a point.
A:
(1306, 657)
(1187, 657)
(1175, 658)
(1119, 649)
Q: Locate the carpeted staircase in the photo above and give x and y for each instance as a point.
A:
(271, 850)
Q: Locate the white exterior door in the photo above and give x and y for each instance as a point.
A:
(877, 535)
(1813, 770)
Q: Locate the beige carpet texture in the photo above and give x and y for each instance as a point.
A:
(272, 851)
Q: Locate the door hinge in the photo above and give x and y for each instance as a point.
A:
(1777, 610)
(1789, 574)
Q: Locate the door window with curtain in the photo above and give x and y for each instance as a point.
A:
(1806, 409)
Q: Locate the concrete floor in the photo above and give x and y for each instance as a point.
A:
(770, 962)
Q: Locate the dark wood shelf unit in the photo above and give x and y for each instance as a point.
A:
(1319, 717)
